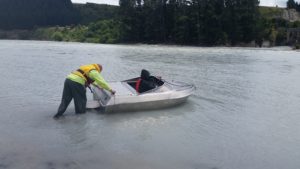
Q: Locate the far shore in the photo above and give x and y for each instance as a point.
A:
(156, 44)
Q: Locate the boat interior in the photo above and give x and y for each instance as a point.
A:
(133, 82)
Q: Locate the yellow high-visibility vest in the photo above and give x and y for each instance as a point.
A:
(84, 71)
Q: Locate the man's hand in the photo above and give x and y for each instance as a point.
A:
(112, 92)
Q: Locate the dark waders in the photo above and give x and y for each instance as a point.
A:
(72, 90)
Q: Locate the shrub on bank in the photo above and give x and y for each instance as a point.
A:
(57, 36)
(105, 31)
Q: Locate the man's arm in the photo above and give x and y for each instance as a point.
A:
(99, 80)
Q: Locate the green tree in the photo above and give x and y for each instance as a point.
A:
(206, 22)
(57, 36)
(291, 4)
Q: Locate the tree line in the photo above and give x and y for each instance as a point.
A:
(199, 22)
(291, 4)
(188, 22)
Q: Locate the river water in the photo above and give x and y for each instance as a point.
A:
(245, 113)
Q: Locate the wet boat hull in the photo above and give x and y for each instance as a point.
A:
(127, 99)
(151, 105)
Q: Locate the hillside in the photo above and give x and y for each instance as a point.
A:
(271, 12)
(290, 15)
(27, 14)
(91, 12)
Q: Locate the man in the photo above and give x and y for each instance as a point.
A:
(75, 87)
(147, 82)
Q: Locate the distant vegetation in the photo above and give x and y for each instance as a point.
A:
(291, 4)
(270, 12)
(274, 26)
(103, 31)
(27, 14)
(194, 22)
(90, 12)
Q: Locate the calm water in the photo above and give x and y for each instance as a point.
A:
(245, 113)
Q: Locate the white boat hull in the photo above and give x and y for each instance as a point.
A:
(127, 99)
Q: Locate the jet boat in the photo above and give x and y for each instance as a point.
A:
(165, 94)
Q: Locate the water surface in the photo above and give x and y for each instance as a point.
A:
(243, 115)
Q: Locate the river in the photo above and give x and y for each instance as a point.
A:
(245, 113)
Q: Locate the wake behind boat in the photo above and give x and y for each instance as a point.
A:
(165, 94)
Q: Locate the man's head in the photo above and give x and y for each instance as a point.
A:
(145, 74)
(98, 67)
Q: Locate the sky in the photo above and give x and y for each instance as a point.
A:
(281, 3)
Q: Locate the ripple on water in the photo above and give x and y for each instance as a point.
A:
(241, 115)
